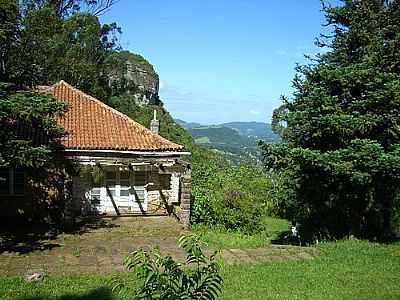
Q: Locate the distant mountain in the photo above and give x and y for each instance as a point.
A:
(227, 140)
(187, 125)
(258, 130)
(238, 140)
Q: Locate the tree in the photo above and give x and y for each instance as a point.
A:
(342, 127)
(42, 47)
(22, 114)
(9, 11)
(64, 8)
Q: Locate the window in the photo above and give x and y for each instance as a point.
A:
(12, 181)
(118, 184)
(121, 185)
(95, 195)
(124, 184)
(4, 181)
(140, 179)
(111, 183)
(19, 182)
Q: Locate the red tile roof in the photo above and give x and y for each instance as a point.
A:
(90, 124)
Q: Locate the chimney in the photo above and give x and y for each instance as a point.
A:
(155, 124)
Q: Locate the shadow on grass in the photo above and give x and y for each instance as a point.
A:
(308, 238)
(102, 293)
(23, 237)
(285, 238)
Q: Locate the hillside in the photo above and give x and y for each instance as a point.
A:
(188, 125)
(259, 130)
(237, 140)
(227, 140)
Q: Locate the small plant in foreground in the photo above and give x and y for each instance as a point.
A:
(163, 278)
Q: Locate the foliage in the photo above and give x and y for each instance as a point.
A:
(64, 8)
(8, 26)
(163, 278)
(341, 159)
(47, 48)
(235, 197)
(20, 111)
(93, 174)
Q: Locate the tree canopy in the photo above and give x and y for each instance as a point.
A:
(342, 127)
(27, 111)
(42, 42)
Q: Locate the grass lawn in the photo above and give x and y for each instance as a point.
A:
(344, 270)
(219, 238)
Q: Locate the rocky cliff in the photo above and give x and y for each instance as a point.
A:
(131, 74)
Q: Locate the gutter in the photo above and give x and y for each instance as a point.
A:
(138, 153)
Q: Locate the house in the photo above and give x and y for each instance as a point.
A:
(123, 167)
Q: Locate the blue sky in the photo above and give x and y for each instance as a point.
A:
(221, 60)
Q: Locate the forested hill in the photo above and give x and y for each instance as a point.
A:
(258, 130)
(237, 140)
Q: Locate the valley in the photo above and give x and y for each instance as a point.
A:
(236, 140)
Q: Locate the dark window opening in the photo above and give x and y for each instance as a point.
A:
(4, 181)
(12, 181)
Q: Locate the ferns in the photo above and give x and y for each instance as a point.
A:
(163, 278)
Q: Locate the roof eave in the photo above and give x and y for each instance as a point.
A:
(142, 153)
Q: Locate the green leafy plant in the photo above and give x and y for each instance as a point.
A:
(98, 174)
(236, 197)
(92, 174)
(163, 278)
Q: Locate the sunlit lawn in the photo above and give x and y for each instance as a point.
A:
(218, 238)
(344, 270)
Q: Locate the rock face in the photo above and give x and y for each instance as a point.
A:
(131, 74)
(147, 82)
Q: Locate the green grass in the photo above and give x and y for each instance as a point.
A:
(344, 270)
(219, 238)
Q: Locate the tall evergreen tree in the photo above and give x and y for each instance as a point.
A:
(342, 127)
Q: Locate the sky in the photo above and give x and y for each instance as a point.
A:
(221, 60)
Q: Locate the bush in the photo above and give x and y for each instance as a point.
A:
(236, 197)
(163, 278)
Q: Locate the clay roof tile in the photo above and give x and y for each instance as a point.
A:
(90, 124)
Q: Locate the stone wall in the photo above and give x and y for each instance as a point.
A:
(161, 199)
(185, 197)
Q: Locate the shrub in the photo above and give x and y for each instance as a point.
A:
(163, 278)
(236, 197)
